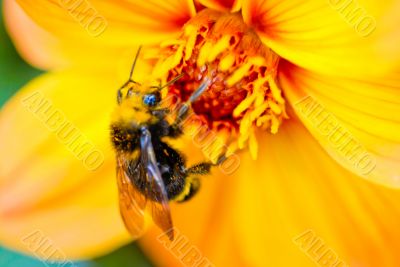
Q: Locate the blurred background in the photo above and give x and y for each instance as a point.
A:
(14, 73)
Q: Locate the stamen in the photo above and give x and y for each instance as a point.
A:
(227, 62)
(274, 107)
(191, 32)
(258, 112)
(202, 58)
(244, 105)
(238, 74)
(221, 45)
(276, 92)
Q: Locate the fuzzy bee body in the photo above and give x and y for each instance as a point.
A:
(178, 180)
(150, 172)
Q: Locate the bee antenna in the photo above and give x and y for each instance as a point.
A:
(134, 63)
(171, 81)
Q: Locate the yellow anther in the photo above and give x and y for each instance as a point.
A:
(189, 30)
(191, 42)
(257, 61)
(203, 54)
(245, 124)
(245, 104)
(221, 45)
(227, 62)
(276, 92)
(256, 113)
(263, 119)
(260, 98)
(274, 125)
(241, 72)
(177, 58)
(274, 107)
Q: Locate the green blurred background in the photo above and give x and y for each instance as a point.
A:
(14, 73)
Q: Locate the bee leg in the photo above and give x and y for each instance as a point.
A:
(160, 113)
(183, 110)
(175, 131)
(182, 113)
(204, 167)
(194, 188)
(200, 168)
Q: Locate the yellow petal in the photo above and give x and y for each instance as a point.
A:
(222, 5)
(293, 190)
(204, 234)
(57, 172)
(347, 38)
(47, 51)
(356, 121)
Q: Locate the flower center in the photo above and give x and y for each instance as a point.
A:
(242, 94)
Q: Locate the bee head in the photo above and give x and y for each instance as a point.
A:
(135, 106)
(137, 103)
(151, 99)
(142, 97)
(134, 92)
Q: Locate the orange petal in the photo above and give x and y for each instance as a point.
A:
(133, 22)
(357, 121)
(347, 38)
(102, 32)
(44, 50)
(295, 190)
(57, 178)
(222, 5)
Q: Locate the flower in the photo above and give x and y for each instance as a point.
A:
(299, 182)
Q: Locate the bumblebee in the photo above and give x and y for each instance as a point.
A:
(150, 172)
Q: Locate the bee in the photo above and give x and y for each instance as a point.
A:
(150, 172)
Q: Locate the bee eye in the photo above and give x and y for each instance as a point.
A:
(150, 100)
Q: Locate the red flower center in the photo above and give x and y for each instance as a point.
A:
(242, 70)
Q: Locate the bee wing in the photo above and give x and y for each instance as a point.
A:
(160, 210)
(131, 202)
